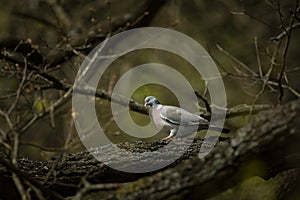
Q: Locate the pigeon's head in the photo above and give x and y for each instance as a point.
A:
(151, 101)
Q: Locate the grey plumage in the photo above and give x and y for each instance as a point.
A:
(177, 120)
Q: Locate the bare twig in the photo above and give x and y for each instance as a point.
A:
(284, 33)
(286, 47)
(258, 58)
(244, 66)
(60, 14)
(204, 100)
(13, 105)
(87, 187)
(245, 12)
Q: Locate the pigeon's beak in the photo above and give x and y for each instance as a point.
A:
(146, 104)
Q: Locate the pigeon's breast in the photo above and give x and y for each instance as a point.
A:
(158, 121)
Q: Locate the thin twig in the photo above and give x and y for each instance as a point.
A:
(90, 187)
(237, 61)
(286, 48)
(204, 100)
(258, 58)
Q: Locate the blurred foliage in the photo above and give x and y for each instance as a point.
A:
(252, 188)
(40, 105)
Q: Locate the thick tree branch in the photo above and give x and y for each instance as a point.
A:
(270, 134)
(273, 129)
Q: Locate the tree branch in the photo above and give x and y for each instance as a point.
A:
(270, 134)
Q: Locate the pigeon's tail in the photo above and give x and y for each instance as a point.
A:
(218, 129)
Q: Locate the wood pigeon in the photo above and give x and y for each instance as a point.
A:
(170, 118)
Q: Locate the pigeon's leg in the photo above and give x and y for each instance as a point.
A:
(171, 135)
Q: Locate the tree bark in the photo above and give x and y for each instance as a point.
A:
(271, 139)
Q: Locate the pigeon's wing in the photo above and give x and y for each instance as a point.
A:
(175, 115)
